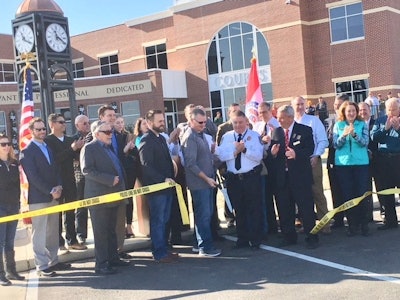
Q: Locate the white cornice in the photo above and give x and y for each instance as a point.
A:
(170, 12)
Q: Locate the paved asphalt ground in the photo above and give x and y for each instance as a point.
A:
(341, 268)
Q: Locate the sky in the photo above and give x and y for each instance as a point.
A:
(88, 15)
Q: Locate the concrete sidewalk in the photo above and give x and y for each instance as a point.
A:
(24, 252)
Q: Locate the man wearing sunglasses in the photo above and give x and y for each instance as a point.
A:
(104, 174)
(65, 149)
(44, 191)
(200, 178)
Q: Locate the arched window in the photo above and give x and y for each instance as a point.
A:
(228, 62)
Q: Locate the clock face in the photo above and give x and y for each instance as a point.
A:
(56, 37)
(24, 39)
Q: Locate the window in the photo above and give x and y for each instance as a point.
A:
(229, 62)
(156, 56)
(346, 22)
(356, 89)
(77, 70)
(3, 123)
(131, 112)
(7, 72)
(92, 112)
(109, 65)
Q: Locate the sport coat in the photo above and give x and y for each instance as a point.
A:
(42, 175)
(299, 169)
(155, 159)
(99, 171)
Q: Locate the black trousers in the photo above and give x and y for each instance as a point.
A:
(388, 176)
(337, 197)
(69, 195)
(104, 220)
(81, 215)
(286, 198)
(245, 195)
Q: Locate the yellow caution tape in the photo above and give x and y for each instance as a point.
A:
(106, 199)
(349, 204)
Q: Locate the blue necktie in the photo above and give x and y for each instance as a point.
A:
(238, 159)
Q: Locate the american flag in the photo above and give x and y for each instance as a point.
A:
(27, 113)
(254, 95)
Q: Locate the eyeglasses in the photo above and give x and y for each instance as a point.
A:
(200, 122)
(5, 144)
(108, 132)
(60, 122)
(40, 129)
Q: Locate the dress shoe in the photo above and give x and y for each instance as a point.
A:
(255, 245)
(337, 225)
(105, 271)
(4, 281)
(387, 226)
(46, 273)
(230, 224)
(124, 255)
(77, 246)
(286, 242)
(365, 230)
(240, 244)
(60, 267)
(312, 244)
(13, 275)
(168, 259)
(120, 263)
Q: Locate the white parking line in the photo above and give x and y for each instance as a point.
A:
(32, 290)
(326, 263)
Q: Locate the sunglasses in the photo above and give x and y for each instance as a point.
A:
(40, 129)
(200, 122)
(60, 122)
(5, 144)
(107, 132)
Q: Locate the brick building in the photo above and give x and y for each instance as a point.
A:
(199, 52)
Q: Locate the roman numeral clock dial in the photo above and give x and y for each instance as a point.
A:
(24, 39)
(56, 37)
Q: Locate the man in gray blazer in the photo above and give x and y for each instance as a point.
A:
(104, 174)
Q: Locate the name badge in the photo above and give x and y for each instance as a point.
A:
(296, 143)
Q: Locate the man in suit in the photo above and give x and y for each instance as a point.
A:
(82, 125)
(104, 174)
(65, 149)
(44, 191)
(222, 129)
(264, 128)
(157, 167)
(107, 114)
(291, 146)
(365, 114)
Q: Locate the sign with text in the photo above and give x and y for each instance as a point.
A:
(89, 92)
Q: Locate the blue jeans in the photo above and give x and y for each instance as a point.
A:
(203, 208)
(160, 210)
(7, 229)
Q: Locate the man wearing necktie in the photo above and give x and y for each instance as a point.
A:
(44, 191)
(291, 147)
(242, 151)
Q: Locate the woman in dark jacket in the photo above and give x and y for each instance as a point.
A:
(9, 205)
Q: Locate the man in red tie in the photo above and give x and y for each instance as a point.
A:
(291, 147)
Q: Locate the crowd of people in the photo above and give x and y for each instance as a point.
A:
(272, 170)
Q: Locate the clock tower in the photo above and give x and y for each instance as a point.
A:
(41, 36)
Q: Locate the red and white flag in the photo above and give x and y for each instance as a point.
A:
(27, 113)
(254, 95)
